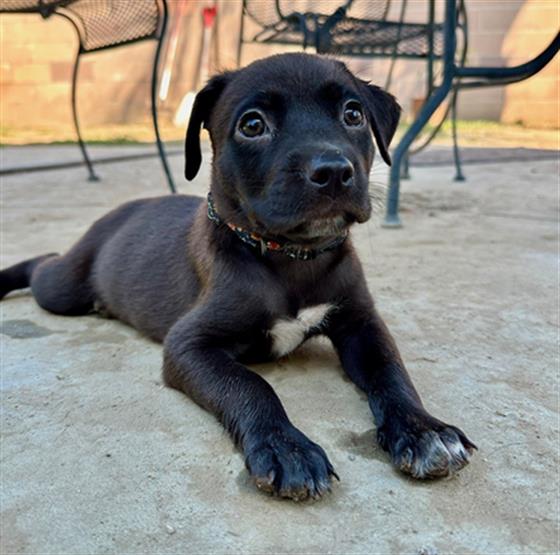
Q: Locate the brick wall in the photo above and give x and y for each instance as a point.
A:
(36, 58)
(36, 64)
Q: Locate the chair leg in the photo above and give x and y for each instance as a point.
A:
(155, 69)
(87, 160)
(459, 176)
(392, 211)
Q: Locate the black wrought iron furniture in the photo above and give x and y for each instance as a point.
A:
(456, 77)
(339, 33)
(104, 24)
(332, 29)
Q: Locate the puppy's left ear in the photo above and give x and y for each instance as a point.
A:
(383, 112)
(202, 109)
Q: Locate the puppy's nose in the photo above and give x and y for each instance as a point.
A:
(331, 175)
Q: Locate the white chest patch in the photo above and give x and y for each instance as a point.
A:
(288, 334)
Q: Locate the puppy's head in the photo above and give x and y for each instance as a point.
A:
(293, 143)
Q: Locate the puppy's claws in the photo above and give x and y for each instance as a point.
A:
(266, 483)
(467, 443)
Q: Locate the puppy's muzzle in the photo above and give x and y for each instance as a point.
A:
(331, 173)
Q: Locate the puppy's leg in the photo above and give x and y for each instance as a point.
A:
(19, 275)
(199, 361)
(419, 444)
(61, 284)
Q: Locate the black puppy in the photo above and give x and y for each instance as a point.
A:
(263, 265)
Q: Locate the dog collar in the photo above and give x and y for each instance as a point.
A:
(251, 238)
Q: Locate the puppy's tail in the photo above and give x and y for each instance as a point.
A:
(19, 275)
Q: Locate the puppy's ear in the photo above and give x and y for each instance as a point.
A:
(202, 108)
(383, 113)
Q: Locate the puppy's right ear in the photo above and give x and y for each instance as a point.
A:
(202, 108)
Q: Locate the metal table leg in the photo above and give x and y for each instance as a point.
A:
(459, 176)
(392, 211)
(436, 98)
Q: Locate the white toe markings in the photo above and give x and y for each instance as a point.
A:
(458, 452)
(287, 335)
(446, 457)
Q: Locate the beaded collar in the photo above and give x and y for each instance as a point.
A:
(256, 241)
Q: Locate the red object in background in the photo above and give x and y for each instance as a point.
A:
(208, 15)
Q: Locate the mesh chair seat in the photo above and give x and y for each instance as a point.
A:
(100, 23)
(355, 37)
(362, 37)
(106, 23)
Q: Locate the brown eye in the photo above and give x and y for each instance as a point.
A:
(252, 125)
(353, 114)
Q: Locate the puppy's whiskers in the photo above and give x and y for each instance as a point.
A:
(377, 192)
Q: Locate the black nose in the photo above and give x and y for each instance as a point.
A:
(331, 174)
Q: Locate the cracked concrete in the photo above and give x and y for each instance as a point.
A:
(98, 457)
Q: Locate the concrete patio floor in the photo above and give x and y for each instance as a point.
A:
(97, 456)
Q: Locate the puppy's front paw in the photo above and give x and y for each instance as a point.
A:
(286, 463)
(425, 447)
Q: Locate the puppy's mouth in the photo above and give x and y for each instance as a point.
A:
(319, 228)
(314, 227)
(311, 233)
(308, 228)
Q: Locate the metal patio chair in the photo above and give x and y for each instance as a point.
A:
(359, 28)
(104, 24)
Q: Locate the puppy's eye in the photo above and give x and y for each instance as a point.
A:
(252, 125)
(353, 114)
